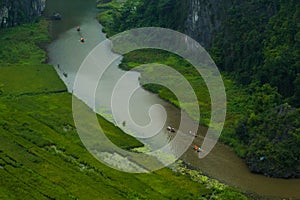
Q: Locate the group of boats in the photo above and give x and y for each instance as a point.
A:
(57, 16)
(193, 133)
(81, 37)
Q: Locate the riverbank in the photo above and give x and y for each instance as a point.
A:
(253, 112)
(42, 156)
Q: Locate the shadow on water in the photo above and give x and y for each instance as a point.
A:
(73, 12)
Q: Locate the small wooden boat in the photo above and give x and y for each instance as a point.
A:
(171, 129)
(56, 16)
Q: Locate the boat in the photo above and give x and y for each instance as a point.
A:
(56, 16)
(171, 129)
(197, 148)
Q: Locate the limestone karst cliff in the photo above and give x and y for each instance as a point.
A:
(14, 12)
(204, 19)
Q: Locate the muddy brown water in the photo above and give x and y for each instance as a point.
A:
(66, 53)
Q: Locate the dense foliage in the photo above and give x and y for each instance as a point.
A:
(273, 141)
(270, 135)
(258, 48)
(260, 42)
(260, 45)
(161, 13)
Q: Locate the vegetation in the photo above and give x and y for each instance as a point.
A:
(20, 45)
(119, 17)
(41, 155)
(259, 47)
(265, 45)
(258, 53)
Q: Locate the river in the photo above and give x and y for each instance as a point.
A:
(66, 53)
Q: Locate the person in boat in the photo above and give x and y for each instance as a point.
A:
(78, 28)
(197, 148)
(171, 129)
(82, 39)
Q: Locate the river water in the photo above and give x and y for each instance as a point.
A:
(66, 53)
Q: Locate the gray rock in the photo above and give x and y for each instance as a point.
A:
(15, 12)
(205, 19)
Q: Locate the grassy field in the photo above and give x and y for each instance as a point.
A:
(21, 44)
(41, 155)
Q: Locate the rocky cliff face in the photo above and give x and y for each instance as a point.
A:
(205, 19)
(14, 12)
